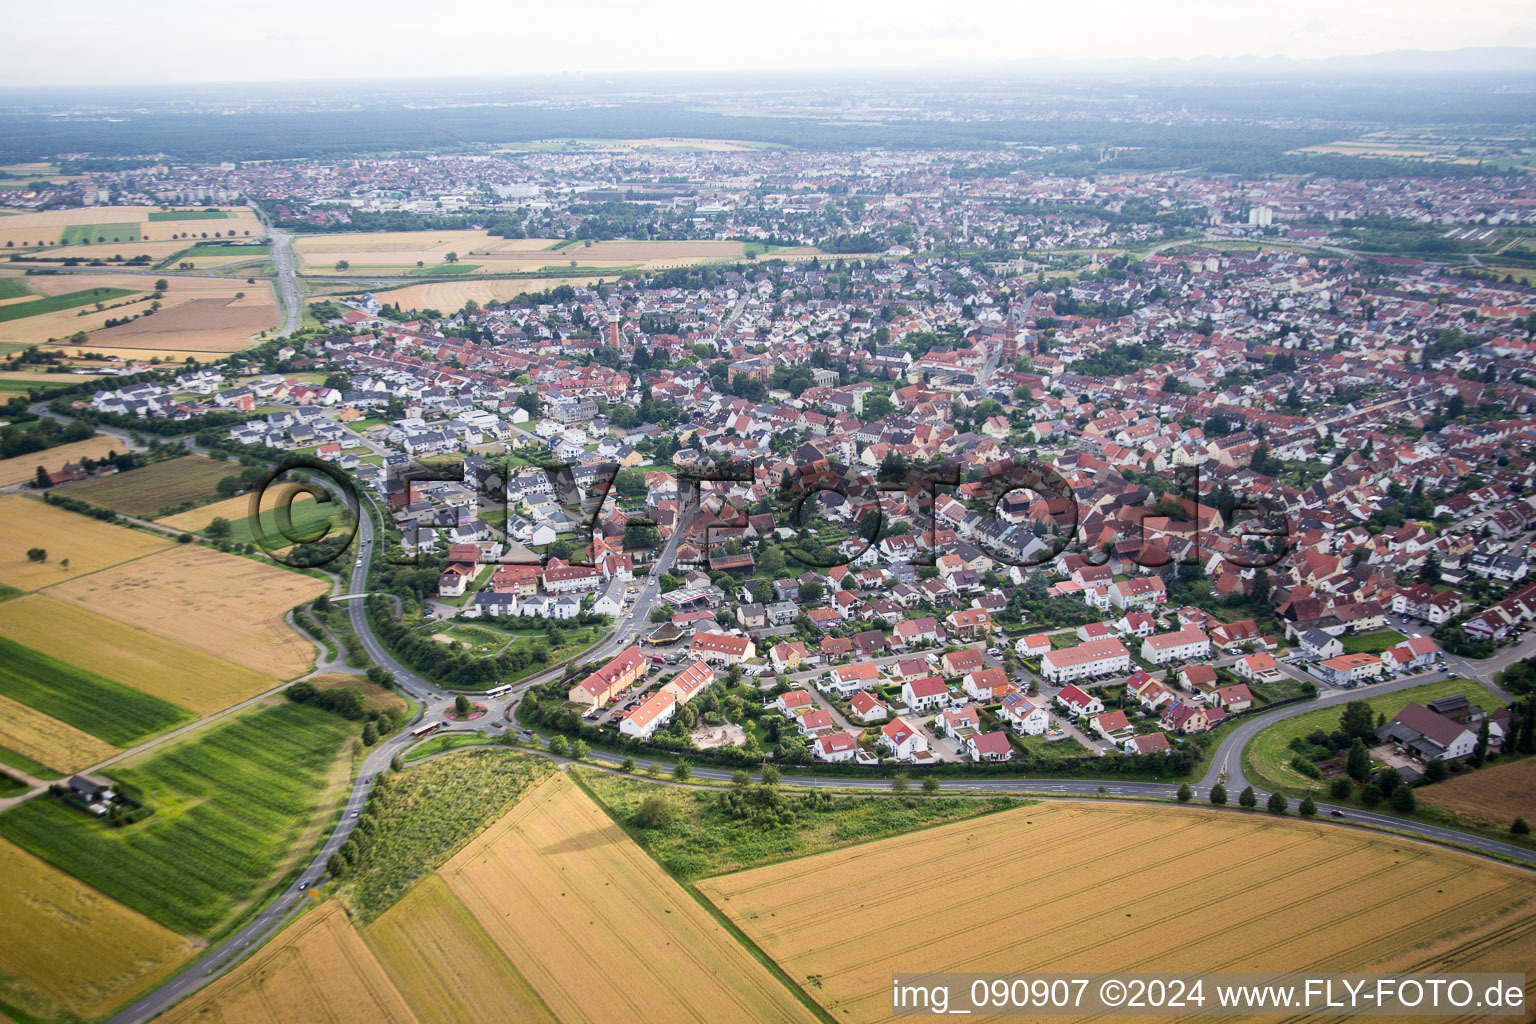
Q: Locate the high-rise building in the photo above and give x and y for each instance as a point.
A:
(613, 330)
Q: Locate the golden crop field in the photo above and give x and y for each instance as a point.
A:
(83, 953)
(28, 230)
(88, 544)
(1499, 794)
(451, 293)
(224, 605)
(401, 250)
(445, 965)
(47, 740)
(317, 971)
(21, 468)
(1066, 887)
(171, 671)
(597, 928)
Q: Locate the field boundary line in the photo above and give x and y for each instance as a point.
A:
(752, 948)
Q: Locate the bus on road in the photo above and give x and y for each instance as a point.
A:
(499, 691)
(425, 729)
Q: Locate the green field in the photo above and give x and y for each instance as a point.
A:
(706, 839)
(69, 300)
(305, 521)
(107, 710)
(445, 270)
(21, 387)
(150, 490)
(219, 252)
(26, 764)
(228, 805)
(13, 288)
(1268, 754)
(425, 814)
(87, 234)
(158, 215)
(1371, 643)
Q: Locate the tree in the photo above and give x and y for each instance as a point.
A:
(557, 744)
(41, 481)
(452, 257)
(370, 734)
(1219, 795)
(1519, 828)
(771, 775)
(161, 284)
(343, 265)
(899, 783)
(1370, 794)
(219, 529)
(1186, 794)
(37, 554)
(655, 811)
(1248, 798)
(395, 764)
(1480, 752)
(740, 778)
(1308, 806)
(931, 785)
(1358, 764)
(1357, 721)
(1402, 800)
(579, 749)
(462, 707)
(1277, 804)
(1436, 770)
(628, 765)
(682, 771)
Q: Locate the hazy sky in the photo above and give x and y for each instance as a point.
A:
(97, 41)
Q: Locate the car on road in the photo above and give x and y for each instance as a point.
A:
(1336, 814)
(355, 814)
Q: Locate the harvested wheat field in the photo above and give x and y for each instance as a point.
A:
(212, 326)
(1149, 889)
(598, 929)
(401, 250)
(224, 605)
(450, 295)
(84, 953)
(223, 325)
(445, 965)
(188, 678)
(317, 970)
(47, 740)
(1498, 795)
(88, 544)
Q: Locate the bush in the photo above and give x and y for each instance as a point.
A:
(1340, 789)
(654, 812)
(1248, 798)
(1185, 793)
(1370, 794)
(1308, 806)
(1277, 804)
(1402, 800)
(1307, 768)
(899, 783)
(557, 744)
(628, 765)
(1519, 828)
(1219, 795)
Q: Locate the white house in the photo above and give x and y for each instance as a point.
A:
(925, 693)
(835, 747)
(902, 740)
(1026, 717)
(653, 713)
(1185, 645)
